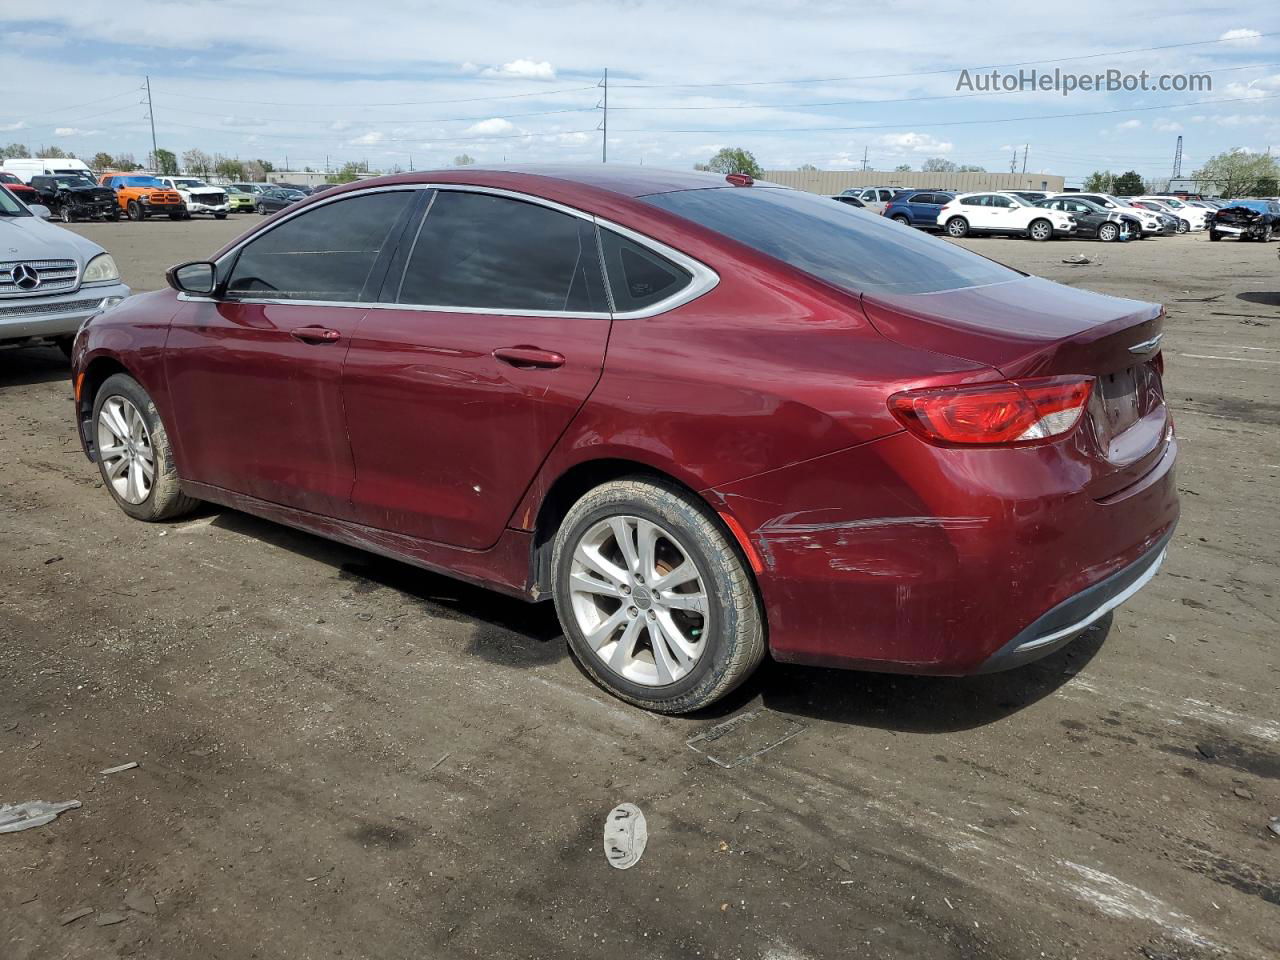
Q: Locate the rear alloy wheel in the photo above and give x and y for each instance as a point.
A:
(1108, 233)
(133, 452)
(135, 210)
(654, 598)
(902, 219)
(957, 227)
(1040, 230)
(1183, 226)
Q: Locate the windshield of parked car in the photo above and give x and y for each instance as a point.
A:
(843, 247)
(9, 178)
(1020, 201)
(1257, 206)
(138, 182)
(11, 207)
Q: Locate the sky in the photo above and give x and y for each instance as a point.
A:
(406, 85)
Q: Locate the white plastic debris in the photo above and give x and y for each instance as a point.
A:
(120, 769)
(33, 813)
(625, 834)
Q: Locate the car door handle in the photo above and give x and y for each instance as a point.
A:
(315, 334)
(529, 357)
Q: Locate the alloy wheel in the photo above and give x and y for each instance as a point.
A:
(124, 448)
(1041, 230)
(639, 600)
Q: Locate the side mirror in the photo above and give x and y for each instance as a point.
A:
(198, 278)
(40, 210)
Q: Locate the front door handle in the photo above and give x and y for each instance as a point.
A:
(527, 357)
(315, 334)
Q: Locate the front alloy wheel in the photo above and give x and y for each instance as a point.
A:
(1108, 232)
(1040, 230)
(654, 596)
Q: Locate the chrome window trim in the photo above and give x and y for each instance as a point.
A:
(704, 279)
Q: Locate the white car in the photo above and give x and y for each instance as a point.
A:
(199, 196)
(1008, 213)
(1152, 224)
(874, 199)
(51, 280)
(1194, 216)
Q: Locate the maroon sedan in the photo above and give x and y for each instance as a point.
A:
(707, 417)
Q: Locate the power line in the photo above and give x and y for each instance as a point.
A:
(366, 119)
(469, 138)
(930, 73)
(396, 103)
(84, 103)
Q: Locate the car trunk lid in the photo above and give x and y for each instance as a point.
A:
(1030, 327)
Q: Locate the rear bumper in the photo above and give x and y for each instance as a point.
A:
(903, 557)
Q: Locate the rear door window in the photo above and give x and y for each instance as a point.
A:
(326, 254)
(487, 252)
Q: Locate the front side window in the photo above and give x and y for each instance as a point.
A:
(858, 254)
(486, 252)
(326, 253)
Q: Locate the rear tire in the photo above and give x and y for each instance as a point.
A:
(902, 219)
(957, 227)
(1108, 233)
(132, 430)
(1040, 230)
(672, 646)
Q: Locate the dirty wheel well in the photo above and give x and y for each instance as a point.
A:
(94, 377)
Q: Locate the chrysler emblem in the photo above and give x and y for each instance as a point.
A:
(25, 277)
(1147, 346)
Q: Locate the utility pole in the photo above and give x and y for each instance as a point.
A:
(1025, 148)
(604, 123)
(1177, 159)
(1013, 164)
(864, 159)
(151, 115)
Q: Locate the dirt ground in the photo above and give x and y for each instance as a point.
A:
(339, 756)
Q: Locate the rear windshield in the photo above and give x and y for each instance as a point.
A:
(842, 245)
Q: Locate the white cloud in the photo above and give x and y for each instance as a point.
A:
(72, 132)
(913, 143)
(523, 69)
(1254, 89)
(489, 128)
(1129, 125)
(1242, 37)
(1166, 126)
(16, 125)
(369, 139)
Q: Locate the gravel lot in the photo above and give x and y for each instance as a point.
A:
(344, 757)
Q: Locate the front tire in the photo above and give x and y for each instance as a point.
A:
(957, 227)
(1040, 230)
(135, 210)
(1214, 236)
(219, 216)
(654, 598)
(1108, 233)
(65, 214)
(133, 452)
(1184, 227)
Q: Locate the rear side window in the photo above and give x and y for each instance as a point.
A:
(980, 201)
(488, 252)
(638, 277)
(855, 253)
(922, 198)
(326, 253)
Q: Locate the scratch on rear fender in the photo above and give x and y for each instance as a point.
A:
(786, 524)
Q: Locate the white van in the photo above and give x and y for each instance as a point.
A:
(24, 168)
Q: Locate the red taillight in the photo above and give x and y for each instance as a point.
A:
(992, 414)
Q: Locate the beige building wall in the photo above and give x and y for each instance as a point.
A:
(835, 181)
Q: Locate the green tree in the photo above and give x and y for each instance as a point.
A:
(228, 168)
(166, 162)
(902, 168)
(735, 160)
(1239, 173)
(102, 161)
(463, 160)
(1128, 184)
(350, 171)
(52, 153)
(938, 165)
(1268, 187)
(1099, 181)
(970, 168)
(266, 165)
(14, 151)
(807, 168)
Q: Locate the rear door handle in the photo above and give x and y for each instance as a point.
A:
(527, 357)
(315, 334)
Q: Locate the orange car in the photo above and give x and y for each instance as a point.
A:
(141, 196)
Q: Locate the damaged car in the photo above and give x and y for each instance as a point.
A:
(707, 418)
(1246, 220)
(75, 197)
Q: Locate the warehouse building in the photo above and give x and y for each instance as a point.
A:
(831, 182)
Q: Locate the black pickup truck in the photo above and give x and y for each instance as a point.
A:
(71, 197)
(1246, 220)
